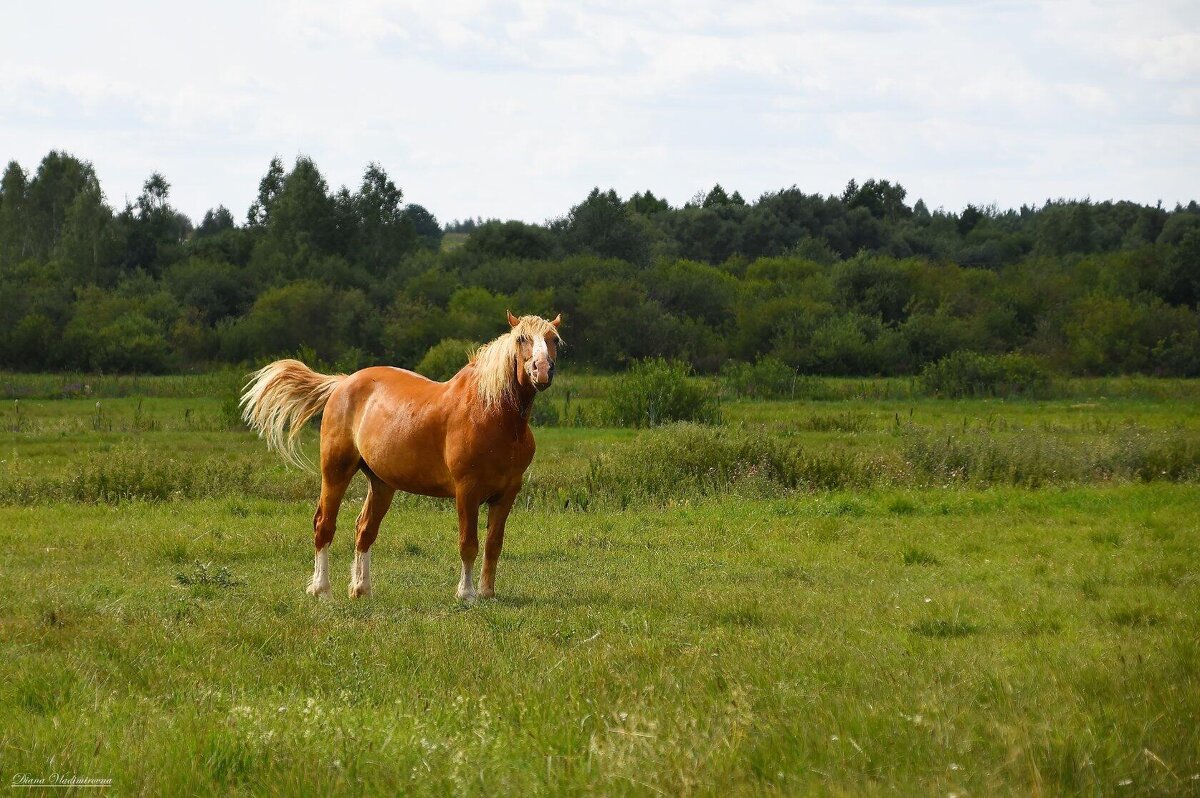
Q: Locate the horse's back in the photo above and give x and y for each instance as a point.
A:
(396, 421)
(401, 386)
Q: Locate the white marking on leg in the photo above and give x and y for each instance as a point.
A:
(466, 591)
(319, 584)
(360, 574)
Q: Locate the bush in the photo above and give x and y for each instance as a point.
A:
(545, 414)
(972, 374)
(768, 378)
(131, 344)
(656, 391)
(302, 314)
(446, 358)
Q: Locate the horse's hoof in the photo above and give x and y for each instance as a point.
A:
(487, 594)
(320, 591)
(359, 591)
(464, 595)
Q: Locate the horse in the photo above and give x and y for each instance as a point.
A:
(467, 439)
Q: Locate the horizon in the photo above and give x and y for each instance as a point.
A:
(483, 111)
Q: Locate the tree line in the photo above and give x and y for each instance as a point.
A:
(858, 283)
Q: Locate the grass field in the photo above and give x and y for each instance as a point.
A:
(898, 611)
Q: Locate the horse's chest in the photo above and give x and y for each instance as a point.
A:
(509, 457)
(494, 462)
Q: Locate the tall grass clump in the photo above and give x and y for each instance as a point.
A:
(656, 391)
(686, 461)
(1146, 456)
(1032, 459)
(125, 474)
(970, 374)
(115, 386)
(766, 378)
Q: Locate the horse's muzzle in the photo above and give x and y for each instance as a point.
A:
(541, 385)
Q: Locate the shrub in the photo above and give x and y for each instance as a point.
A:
(445, 358)
(972, 374)
(768, 378)
(545, 414)
(656, 391)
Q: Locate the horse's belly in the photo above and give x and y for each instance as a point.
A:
(405, 454)
(410, 470)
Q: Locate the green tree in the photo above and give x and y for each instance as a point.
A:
(385, 234)
(716, 196)
(602, 225)
(215, 290)
(968, 219)
(216, 221)
(446, 358)
(477, 314)
(616, 323)
(875, 287)
(882, 198)
(301, 225)
(512, 239)
(688, 288)
(154, 231)
(425, 225)
(121, 330)
(48, 197)
(1179, 279)
(14, 221)
(647, 204)
(268, 189)
(86, 245)
(303, 314)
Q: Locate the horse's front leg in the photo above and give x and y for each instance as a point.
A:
(497, 515)
(468, 542)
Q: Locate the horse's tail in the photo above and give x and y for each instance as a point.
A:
(280, 399)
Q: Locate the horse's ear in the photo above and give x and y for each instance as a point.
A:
(557, 321)
(513, 321)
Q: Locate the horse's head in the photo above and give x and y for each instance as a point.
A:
(537, 349)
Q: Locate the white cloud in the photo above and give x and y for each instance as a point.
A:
(517, 109)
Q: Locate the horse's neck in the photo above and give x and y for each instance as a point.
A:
(524, 395)
(517, 404)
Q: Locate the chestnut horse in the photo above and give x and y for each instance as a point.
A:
(467, 438)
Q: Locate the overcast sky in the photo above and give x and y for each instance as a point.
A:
(516, 110)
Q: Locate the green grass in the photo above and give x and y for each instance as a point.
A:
(733, 646)
(696, 627)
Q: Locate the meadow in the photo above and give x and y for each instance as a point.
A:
(860, 590)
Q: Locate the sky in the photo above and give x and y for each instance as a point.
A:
(517, 109)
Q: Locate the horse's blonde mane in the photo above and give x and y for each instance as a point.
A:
(495, 362)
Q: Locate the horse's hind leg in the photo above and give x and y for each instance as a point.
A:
(338, 465)
(379, 499)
